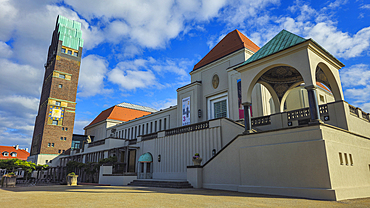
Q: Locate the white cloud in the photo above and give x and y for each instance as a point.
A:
(366, 6)
(356, 82)
(337, 3)
(132, 79)
(79, 126)
(19, 79)
(164, 104)
(92, 74)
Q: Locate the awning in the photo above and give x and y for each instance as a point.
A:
(146, 158)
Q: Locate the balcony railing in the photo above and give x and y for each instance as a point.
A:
(97, 143)
(261, 121)
(188, 128)
(149, 136)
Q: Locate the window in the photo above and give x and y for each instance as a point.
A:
(75, 53)
(46, 161)
(142, 131)
(6, 154)
(63, 128)
(66, 129)
(125, 133)
(13, 154)
(135, 131)
(155, 126)
(65, 138)
(63, 50)
(218, 106)
(62, 76)
(132, 132)
(151, 127)
(138, 133)
(160, 125)
(61, 138)
(48, 144)
(52, 144)
(59, 151)
(55, 122)
(164, 124)
(69, 52)
(219, 109)
(57, 103)
(341, 158)
(146, 128)
(322, 99)
(60, 85)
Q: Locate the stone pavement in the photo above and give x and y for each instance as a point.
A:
(128, 196)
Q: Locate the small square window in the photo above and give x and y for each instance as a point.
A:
(75, 53)
(59, 151)
(63, 50)
(62, 76)
(61, 138)
(57, 103)
(52, 144)
(55, 122)
(65, 138)
(69, 52)
(60, 85)
(48, 144)
(63, 128)
(66, 129)
(46, 161)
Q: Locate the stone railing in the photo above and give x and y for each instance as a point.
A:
(132, 141)
(188, 128)
(97, 143)
(149, 136)
(353, 109)
(261, 121)
(365, 116)
(304, 113)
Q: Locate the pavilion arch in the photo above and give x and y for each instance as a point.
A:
(274, 96)
(283, 99)
(278, 86)
(325, 75)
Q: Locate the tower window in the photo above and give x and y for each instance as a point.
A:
(61, 138)
(55, 122)
(66, 129)
(60, 85)
(57, 103)
(75, 53)
(69, 52)
(62, 76)
(59, 151)
(49, 144)
(63, 50)
(52, 144)
(65, 138)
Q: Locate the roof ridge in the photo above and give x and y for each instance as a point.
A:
(229, 44)
(284, 39)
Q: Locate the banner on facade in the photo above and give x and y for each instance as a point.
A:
(186, 111)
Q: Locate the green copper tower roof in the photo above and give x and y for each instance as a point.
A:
(70, 32)
(280, 42)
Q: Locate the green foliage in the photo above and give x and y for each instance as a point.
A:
(11, 174)
(73, 165)
(108, 160)
(72, 174)
(196, 154)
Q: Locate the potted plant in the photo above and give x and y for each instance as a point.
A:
(72, 179)
(197, 159)
(8, 180)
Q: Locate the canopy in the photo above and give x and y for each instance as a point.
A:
(146, 158)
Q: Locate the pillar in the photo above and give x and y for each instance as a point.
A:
(247, 118)
(313, 104)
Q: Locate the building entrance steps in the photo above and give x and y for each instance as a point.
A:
(161, 183)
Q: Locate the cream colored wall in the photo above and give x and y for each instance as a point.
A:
(177, 150)
(99, 131)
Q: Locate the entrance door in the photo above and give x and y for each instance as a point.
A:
(145, 170)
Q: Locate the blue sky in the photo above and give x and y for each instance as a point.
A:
(142, 51)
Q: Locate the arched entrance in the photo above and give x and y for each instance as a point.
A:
(145, 167)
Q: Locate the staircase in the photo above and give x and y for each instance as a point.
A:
(161, 183)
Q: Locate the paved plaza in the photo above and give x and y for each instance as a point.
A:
(127, 196)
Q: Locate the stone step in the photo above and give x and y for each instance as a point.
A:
(162, 184)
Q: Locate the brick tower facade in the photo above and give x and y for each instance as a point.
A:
(55, 120)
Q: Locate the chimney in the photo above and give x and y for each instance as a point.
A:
(26, 149)
(17, 147)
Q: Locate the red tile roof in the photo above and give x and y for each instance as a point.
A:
(232, 42)
(21, 154)
(118, 113)
(323, 86)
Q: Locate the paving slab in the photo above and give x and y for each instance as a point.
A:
(127, 196)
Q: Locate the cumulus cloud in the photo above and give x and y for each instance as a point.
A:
(356, 81)
(366, 6)
(92, 74)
